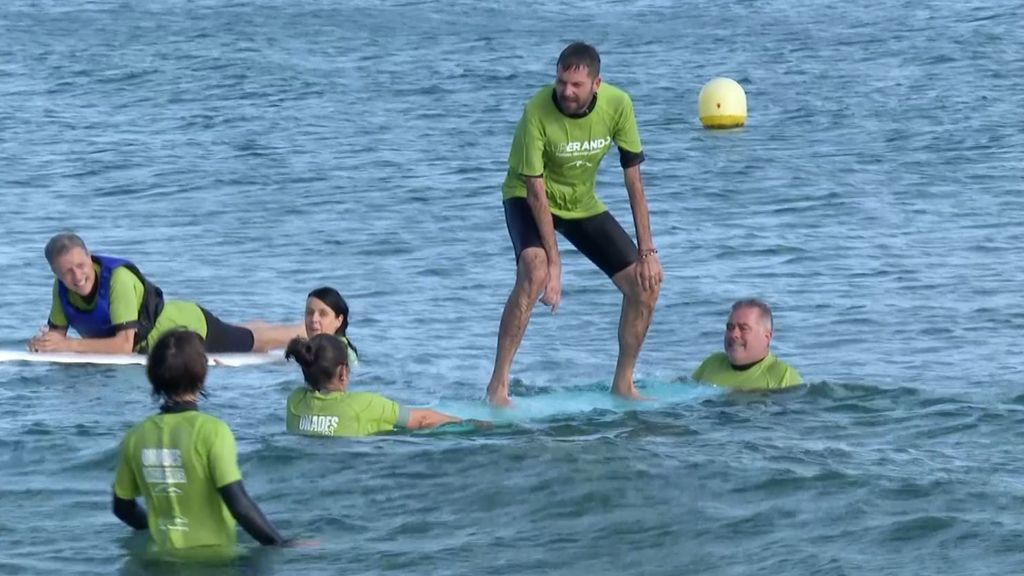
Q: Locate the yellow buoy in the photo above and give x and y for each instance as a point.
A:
(722, 104)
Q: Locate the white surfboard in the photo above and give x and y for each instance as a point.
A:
(231, 359)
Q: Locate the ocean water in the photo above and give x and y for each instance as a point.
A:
(243, 153)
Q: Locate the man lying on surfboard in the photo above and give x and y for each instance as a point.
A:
(116, 310)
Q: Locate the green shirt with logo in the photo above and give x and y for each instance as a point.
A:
(126, 295)
(313, 413)
(177, 462)
(768, 374)
(567, 151)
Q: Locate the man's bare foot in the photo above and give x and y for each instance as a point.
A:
(631, 394)
(497, 396)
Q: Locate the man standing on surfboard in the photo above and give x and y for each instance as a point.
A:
(564, 133)
(116, 310)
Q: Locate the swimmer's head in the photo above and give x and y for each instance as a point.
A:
(326, 312)
(176, 366)
(323, 359)
(748, 332)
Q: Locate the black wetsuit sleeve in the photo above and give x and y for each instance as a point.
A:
(248, 514)
(629, 159)
(129, 512)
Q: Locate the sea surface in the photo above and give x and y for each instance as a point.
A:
(244, 153)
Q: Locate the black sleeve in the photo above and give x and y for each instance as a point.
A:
(129, 512)
(248, 514)
(629, 159)
(134, 325)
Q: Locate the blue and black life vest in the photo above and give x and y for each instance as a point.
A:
(96, 323)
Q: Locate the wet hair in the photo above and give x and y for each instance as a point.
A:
(319, 357)
(60, 244)
(177, 365)
(580, 55)
(333, 299)
(766, 312)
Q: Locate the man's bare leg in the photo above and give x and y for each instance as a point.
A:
(635, 319)
(531, 275)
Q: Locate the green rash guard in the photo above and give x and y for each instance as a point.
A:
(177, 461)
(126, 293)
(567, 151)
(768, 374)
(313, 413)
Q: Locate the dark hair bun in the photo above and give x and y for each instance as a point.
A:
(301, 350)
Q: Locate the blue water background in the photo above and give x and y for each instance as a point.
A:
(243, 153)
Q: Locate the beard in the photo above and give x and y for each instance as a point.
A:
(575, 105)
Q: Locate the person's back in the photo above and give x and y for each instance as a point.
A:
(184, 464)
(325, 407)
(176, 461)
(314, 413)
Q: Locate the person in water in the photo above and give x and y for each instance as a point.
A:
(747, 363)
(183, 462)
(116, 310)
(325, 407)
(327, 313)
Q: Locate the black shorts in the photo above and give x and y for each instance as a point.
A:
(600, 238)
(223, 337)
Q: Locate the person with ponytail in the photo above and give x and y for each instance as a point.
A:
(327, 313)
(325, 407)
(184, 463)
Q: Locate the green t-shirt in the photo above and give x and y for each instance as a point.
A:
(567, 151)
(177, 462)
(126, 295)
(768, 374)
(353, 358)
(312, 413)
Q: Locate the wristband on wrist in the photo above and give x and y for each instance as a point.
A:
(647, 253)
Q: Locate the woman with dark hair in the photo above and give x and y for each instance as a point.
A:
(327, 313)
(325, 407)
(183, 462)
